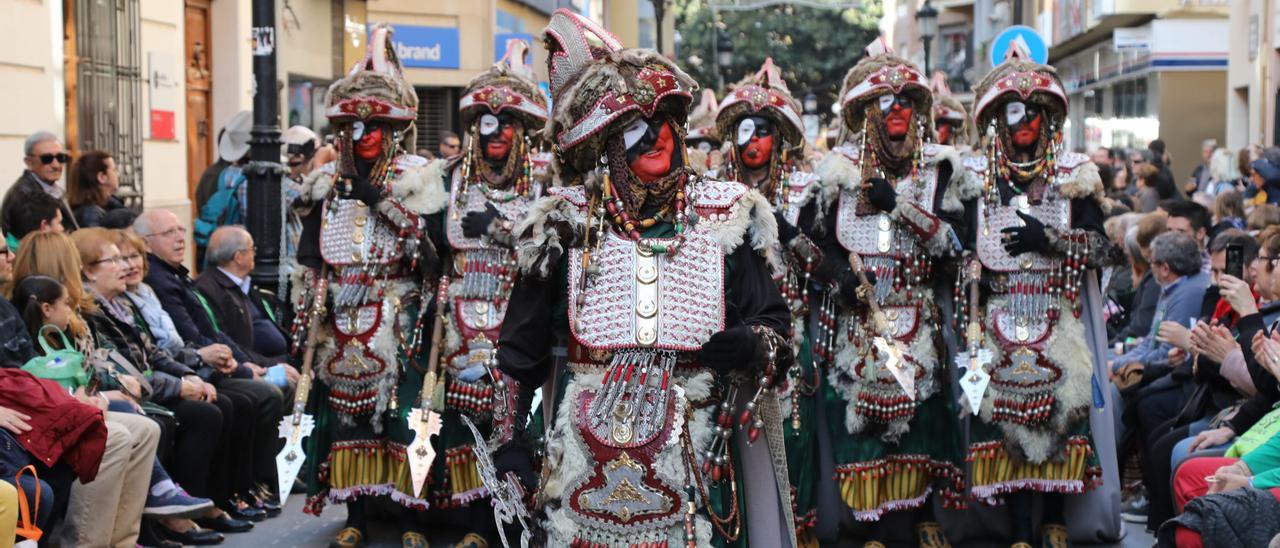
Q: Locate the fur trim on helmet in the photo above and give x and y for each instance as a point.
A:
(986, 112)
(756, 95)
(852, 112)
(500, 76)
(616, 73)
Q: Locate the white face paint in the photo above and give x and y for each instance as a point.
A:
(357, 131)
(488, 124)
(886, 101)
(746, 128)
(634, 132)
(704, 147)
(1014, 112)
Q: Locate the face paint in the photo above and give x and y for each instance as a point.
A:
(755, 140)
(634, 133)
(497, 136)
(704, 147)
(746, 130)
(369, 146)
(944, 133)
(650, 156)
(897, 115)
(1025, 121)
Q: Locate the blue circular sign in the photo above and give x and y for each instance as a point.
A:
(1034, 43)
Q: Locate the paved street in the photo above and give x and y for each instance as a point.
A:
(297, 529)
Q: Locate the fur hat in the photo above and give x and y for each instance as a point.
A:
(879, 73)
(764, 94)
(1018, 77)
(598, 88)
(507, 85)
(375, 89)
(702, 121)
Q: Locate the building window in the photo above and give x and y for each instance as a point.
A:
(108, 87)
(306, 105)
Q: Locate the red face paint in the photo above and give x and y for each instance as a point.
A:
(499, 145)
(757, 152)
(1028, 133)
(656, 162)
(944, 134)
(898, 121)
(370, 145)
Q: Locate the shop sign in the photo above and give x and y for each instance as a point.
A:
(162, 94)
(426, 47)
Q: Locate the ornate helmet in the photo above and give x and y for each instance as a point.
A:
(1018, 77)
(881, 72)
(947, 107)
(598, 88)
(702, 121)
(764, 94)
(507, 86)
(375, 90)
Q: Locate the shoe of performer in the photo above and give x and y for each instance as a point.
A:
(176, 504)
(348, 537)
(1054, 535)
(224, 523)
(411, 539)
(873, 544)
(244, 511)
(1020, 545)
(194, 536)
(472, 540)
(929, 534)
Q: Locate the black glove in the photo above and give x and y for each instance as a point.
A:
(881, 194)
(786, 231)
(517, 457)
(1026, 239)
(732, 348)
(360, 189)
(476, 223)
(849, 284)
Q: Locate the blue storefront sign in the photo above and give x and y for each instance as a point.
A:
(427, 47)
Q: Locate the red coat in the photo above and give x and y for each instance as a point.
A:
(62, 429)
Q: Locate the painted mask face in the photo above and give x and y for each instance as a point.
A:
(497, 136)
(1024, 123)
(368, 141)
(944, 133)
(896, 111)
(650, 145)
(755, 141)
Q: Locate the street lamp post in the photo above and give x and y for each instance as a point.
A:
(927, 23)
(724, 56)
(264, 170)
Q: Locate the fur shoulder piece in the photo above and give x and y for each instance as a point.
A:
(317, 184)
(1078, 178)
(697, 160)
(551, 226)
(736, 215)
(961, 186)
(840, 168)
(419, 184)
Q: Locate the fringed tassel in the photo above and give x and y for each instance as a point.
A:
(904, 481)
(995, 473)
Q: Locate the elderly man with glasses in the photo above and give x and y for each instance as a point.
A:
(45, 160)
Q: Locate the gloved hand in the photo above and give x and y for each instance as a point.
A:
(732, 348)
(1026, 239)
(849, 284)
(881, 194)
(476, 223)
(516, 456)
(361, 189)
(786, 231)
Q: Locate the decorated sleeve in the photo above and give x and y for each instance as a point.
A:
(529, 327)
(753, 293)
(1086, 239)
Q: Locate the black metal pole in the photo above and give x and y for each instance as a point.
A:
(927, 40)
(264, 170)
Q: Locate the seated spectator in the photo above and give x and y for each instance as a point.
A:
(15, 346)
(150, 378)
(91, 187)
(1193, 220)
(1262, 217)
(45, 160)
(39, 213)
(1147, 291)
(1175, 263)
(1265, 182)
(239, 307)
(1228, 212)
